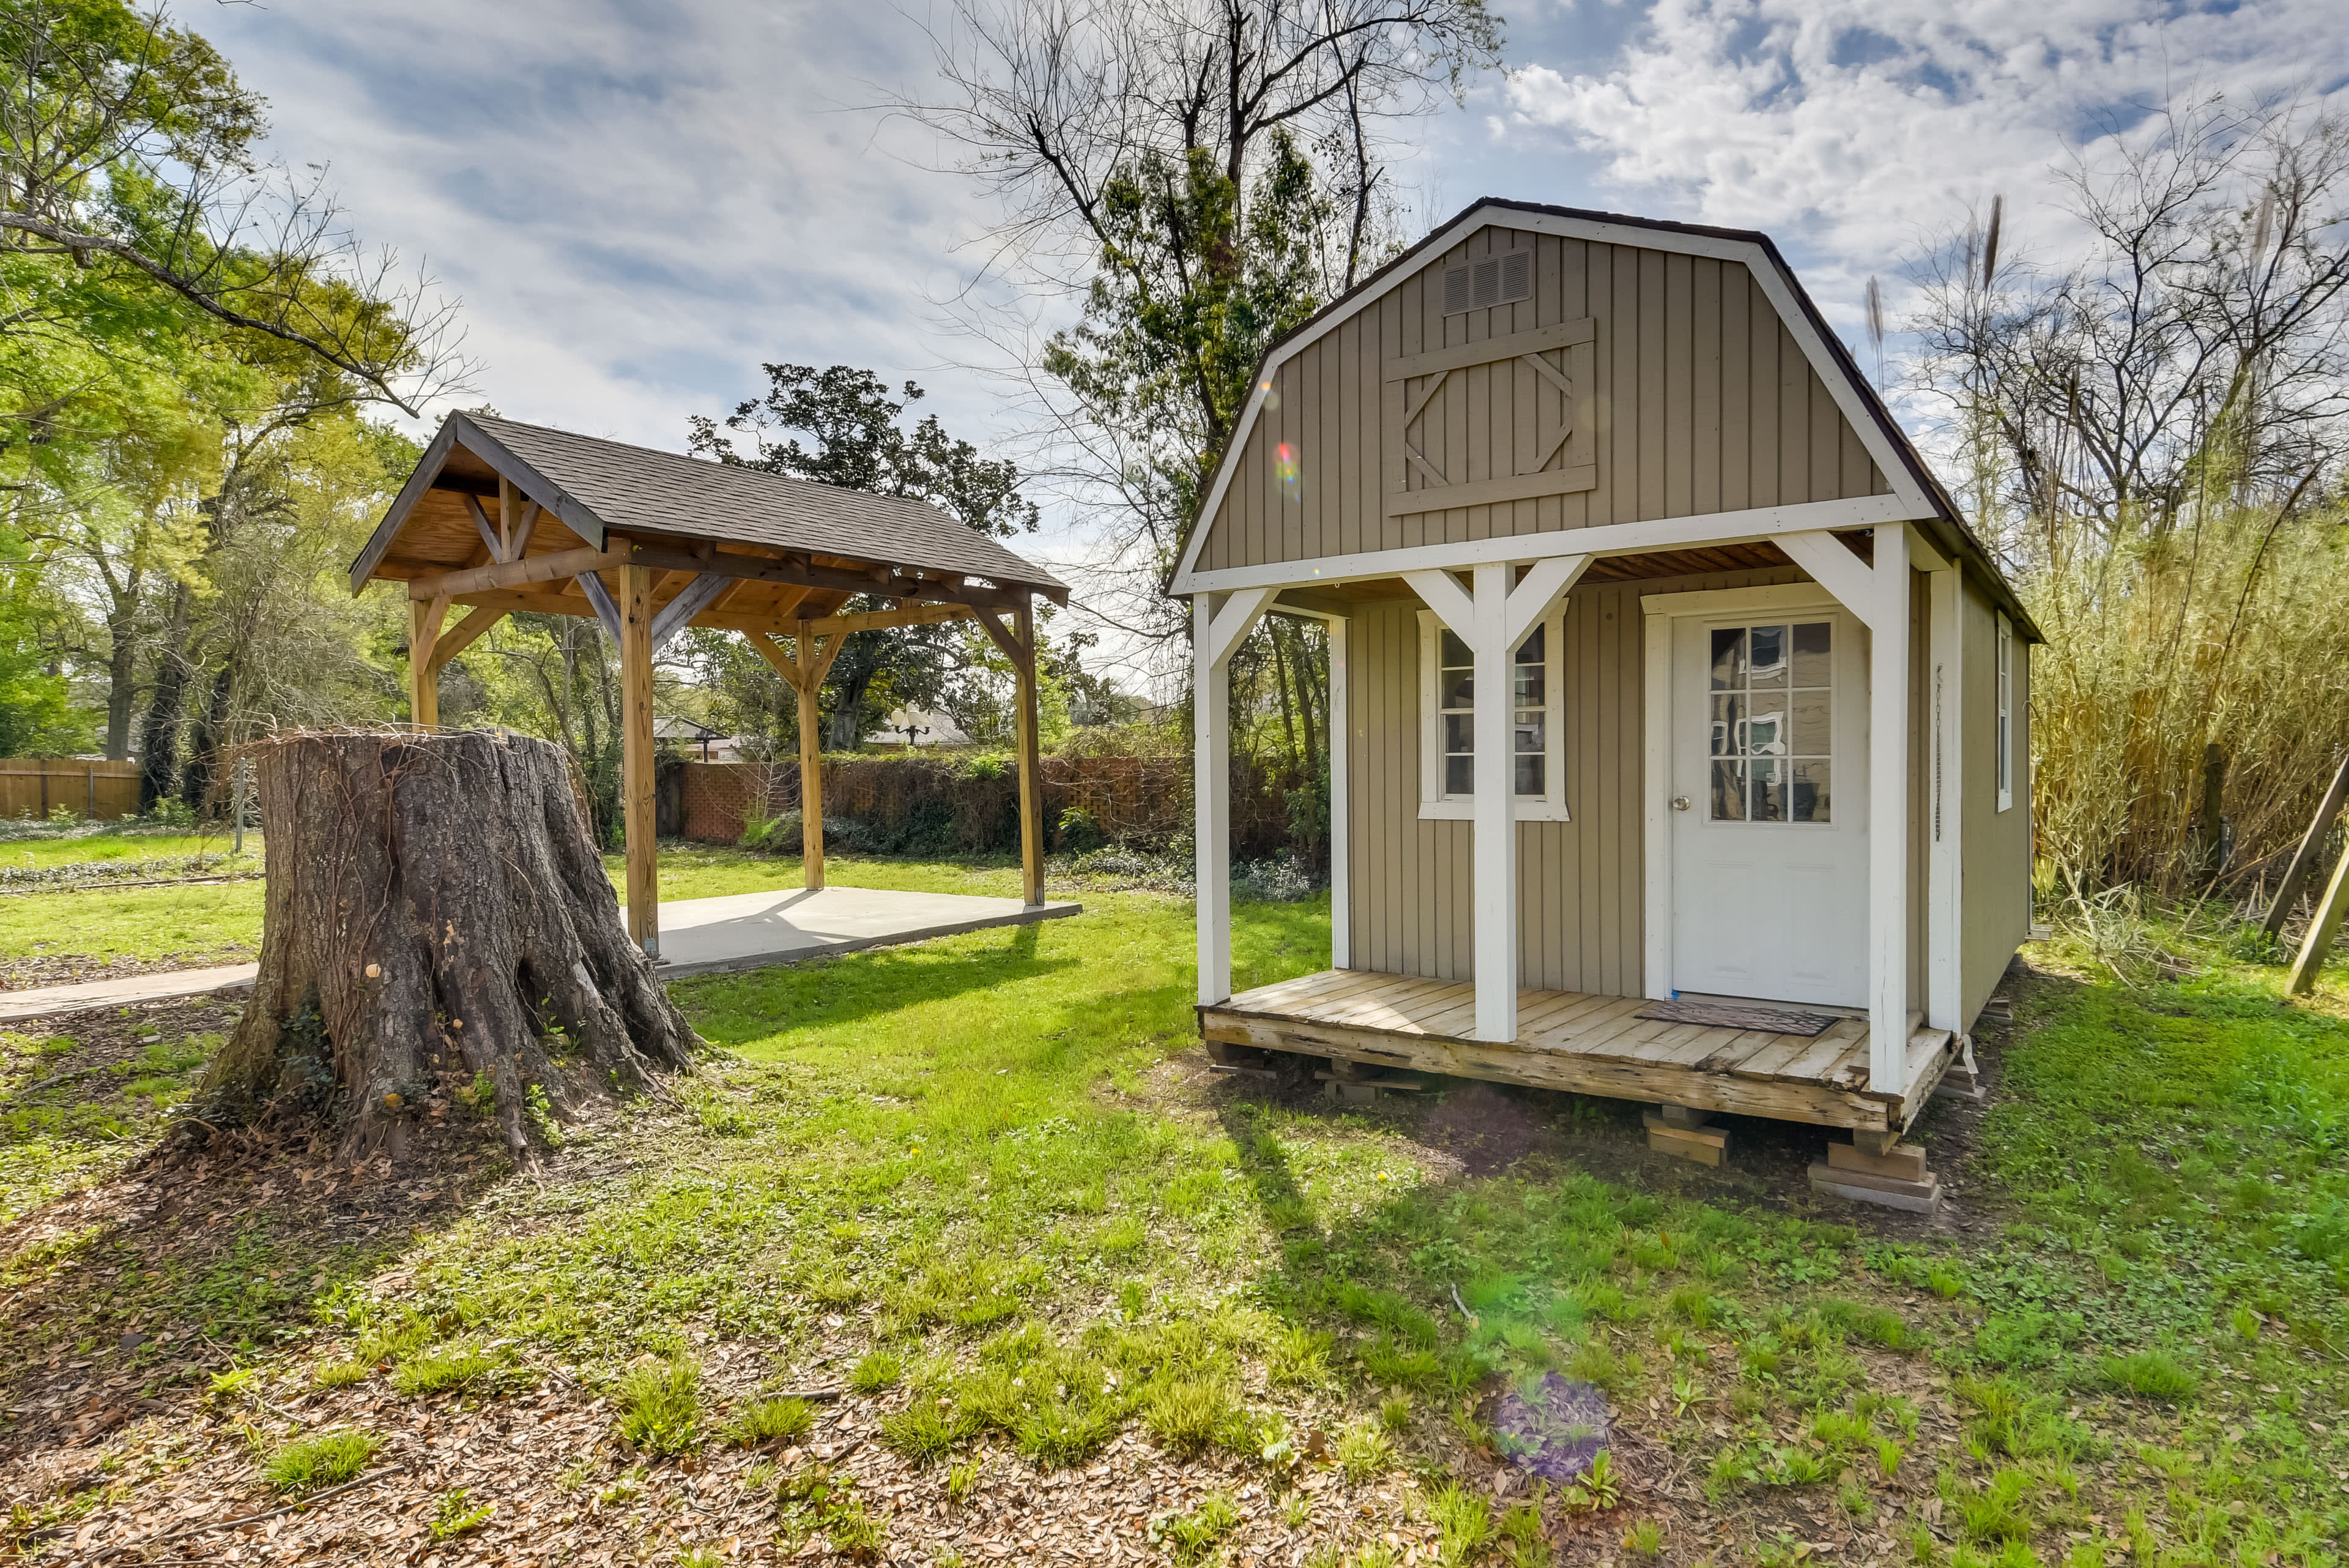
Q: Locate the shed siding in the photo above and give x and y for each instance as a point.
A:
(1700, 401)
(1996, 850)
(1580, 883)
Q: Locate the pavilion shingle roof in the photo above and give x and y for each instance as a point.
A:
(641, 488)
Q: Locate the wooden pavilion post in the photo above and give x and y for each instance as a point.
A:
(1031, 762)
(809, 685)
(636, 606)
(424, 618)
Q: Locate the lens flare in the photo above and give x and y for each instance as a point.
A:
(1284, 468)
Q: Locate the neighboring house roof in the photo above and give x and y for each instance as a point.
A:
(595, 486)
(1887, 443)
(676, 729)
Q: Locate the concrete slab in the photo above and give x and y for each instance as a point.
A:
(750, 931)
(128, 991)
(698, 936)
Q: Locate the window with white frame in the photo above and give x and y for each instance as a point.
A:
(1536, 740)
(2005, 712)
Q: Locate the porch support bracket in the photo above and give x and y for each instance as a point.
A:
(1491, 618)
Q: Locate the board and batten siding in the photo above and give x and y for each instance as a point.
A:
(1580, 884)
(1996, 848)
(1700, 401)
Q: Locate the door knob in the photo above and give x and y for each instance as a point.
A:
(1679, 803)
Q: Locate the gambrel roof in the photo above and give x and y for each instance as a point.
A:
(1888, 462)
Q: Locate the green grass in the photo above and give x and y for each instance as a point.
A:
(759, 1422)
(88, 848)
(660, 1407)
(324, 1459)
(136, 922)
(983, 1153)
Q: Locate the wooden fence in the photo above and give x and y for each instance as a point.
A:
(37, 786)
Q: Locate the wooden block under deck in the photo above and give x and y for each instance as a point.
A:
(1891, 1192)
(1706, 1146)
(1904, 1162)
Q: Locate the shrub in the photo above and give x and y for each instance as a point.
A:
(660, 1407)
(773, 835)
(1079, 832)
(329, 1458)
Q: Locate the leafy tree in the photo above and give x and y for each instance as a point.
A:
(179, 324)
(1201, 174)
(856, 440)
(130, 161)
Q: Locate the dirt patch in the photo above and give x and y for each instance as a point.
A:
(1471, 1128)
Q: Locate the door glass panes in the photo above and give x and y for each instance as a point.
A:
(1455, 688)
(1770, 732)
(1528, 682)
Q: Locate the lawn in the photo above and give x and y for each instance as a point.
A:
(1055, 1285)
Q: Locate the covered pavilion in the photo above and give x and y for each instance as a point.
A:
(501, 516)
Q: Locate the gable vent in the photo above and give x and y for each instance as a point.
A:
(1502, 279)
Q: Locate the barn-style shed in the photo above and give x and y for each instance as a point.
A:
(503, 516)
(1686, 753)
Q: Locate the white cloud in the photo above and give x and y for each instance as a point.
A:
(1848, 128)
(637, 205)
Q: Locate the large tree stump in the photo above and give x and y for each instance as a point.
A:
(436, 912)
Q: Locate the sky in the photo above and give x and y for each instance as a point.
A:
(638, 203)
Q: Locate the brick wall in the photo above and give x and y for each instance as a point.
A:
(1135, 800)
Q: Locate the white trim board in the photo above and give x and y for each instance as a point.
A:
(1607, 539)
(1776, 285)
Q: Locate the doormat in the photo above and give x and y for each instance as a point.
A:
(1741, 1016)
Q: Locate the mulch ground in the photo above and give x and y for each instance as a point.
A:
(77, 969)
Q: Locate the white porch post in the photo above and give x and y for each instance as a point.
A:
(1495, 847)
(1212, 637)
(1945, 820)
(1879, 596)
(1341, 825)
(1887, 816)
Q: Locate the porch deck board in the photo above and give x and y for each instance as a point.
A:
(1587, 1042)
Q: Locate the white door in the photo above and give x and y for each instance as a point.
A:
(1769, 779)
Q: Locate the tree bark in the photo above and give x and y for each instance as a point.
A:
(159, 752)
(436, 915)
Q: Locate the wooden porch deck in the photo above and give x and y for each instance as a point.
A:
(1585, 1043)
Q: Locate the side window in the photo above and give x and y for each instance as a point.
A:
(2005, 713)
(1534, 741)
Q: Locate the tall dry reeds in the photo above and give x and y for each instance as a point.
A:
(2150, 435)
(2233, 634)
